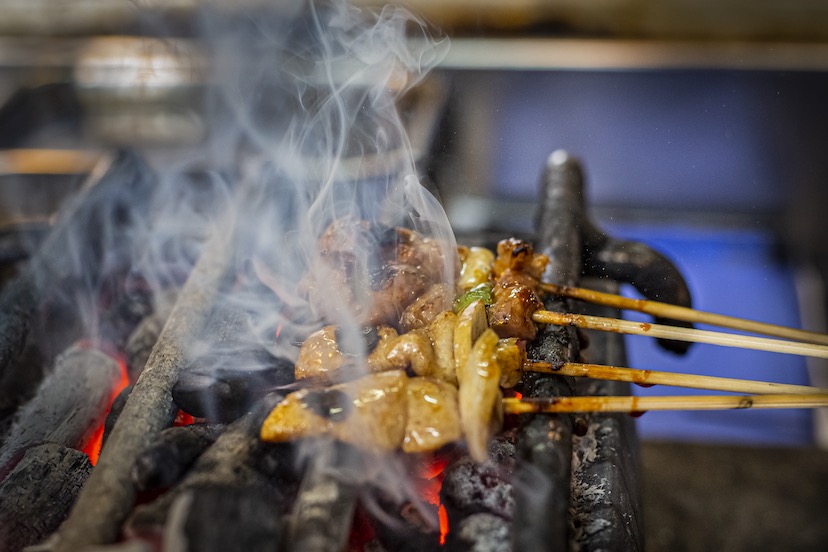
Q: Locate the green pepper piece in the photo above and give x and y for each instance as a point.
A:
(481, 291)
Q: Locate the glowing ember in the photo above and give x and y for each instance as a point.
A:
(444, 524)
(92, 448)
(431, 475)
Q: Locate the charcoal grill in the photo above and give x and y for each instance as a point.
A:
(555, 481)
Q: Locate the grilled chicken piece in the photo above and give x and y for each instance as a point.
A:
(433, 415)
(510, 354)
(519, 256)
(511, 313)
(479, 396)
(471, 323)
(321, 355)
(424, 309)
(381, 412)
(475, 267)
(426, 352)
(516, 291)
(370, 412)
(412, 350)
(441, 334)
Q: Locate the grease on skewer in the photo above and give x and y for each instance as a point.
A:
(653, 377)
(680, 334)
(676, 312)
(633, 405)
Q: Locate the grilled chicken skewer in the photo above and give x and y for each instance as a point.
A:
(440, 381)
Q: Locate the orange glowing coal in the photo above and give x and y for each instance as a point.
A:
(431, 475)
(92, 448)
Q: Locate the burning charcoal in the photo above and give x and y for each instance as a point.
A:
(481, 533)
(223, 394)
(115, 410)
(470, 487)
(36, 495)
(224, 518)
(70, 404)
(237, 458)
(123, 190)
(148, 410)
(403, 528)
(176, 448)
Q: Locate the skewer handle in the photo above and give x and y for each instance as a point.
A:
(681, 334)
(654, 377)
(644, 404)
(676, 312)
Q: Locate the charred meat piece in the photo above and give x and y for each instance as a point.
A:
(370, 273)
(517, 270)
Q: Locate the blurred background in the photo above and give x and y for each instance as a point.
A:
(702, 126)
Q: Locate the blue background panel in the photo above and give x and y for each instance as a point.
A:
(729, 272)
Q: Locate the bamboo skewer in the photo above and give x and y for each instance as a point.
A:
(643, 404)
(680, 334)
(675, 312)
(653, 377)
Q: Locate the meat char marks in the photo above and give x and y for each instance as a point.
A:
(370, 273)
(517, 271)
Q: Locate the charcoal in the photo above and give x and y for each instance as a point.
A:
(18, 301)
(469, 488)
(106, 212)
(115, 411)
(406, 536)
(402, 526)
(36, 495)
(237, 457)
(323, 513)
(109, 495)
(480, 533)
(224, 518)
(224, 393)
(69, 405)
(166, 460)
